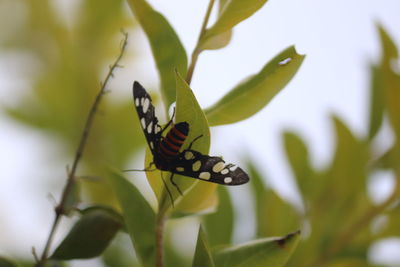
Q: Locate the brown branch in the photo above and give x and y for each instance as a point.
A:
(60, 209)
(196, 51)
(160, 223)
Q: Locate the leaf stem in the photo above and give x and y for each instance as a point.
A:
(196, 52)
(60, 209)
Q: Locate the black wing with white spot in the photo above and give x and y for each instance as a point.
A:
(147, 117)
(211, 169)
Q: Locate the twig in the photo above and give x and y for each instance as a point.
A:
(160, 223)
(196, 51)
(60, 209)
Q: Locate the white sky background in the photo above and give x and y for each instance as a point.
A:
(339, 39)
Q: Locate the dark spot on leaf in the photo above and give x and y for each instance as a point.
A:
(282, 241)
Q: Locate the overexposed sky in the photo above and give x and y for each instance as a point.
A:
(339, 38)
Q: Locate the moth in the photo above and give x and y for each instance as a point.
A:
(167, 151)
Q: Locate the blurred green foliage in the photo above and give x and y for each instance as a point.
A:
(69, 56)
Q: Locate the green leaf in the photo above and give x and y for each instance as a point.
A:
(91, 235)
(274, 216)
(391, 89)
(254, 93)
(139, 218)
(202, 254)
(219, 40)
(219, 225)
(6, 263)
(168, 52)
(376, 102)
(259, 253)
(231, 13)
(389, 48)
(189, 110)
(299, 160)
(195, 201)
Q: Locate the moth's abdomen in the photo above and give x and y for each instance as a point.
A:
(173, 141)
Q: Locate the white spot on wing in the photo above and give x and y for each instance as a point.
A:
(188, 155)
(137, 102)
(196, 166)
(227, 180)
(180, 169)
(150, 127)
(151, 145)
(218, 167)
(143, 121)
(205, 175)
(285, 61)
(146, 105)
(224, 171)
(233, 168)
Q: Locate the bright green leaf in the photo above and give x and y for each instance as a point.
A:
(195, 201)
(219, 225)
(269, 252)
(219, 40)
(255, 92)
(202, 254)
(139, 218)
(168, 52)
(232, 13)
(90, 236)
(188, 110)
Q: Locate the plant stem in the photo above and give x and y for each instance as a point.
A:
(60, 209)
(197, 51)
(161, 216)
(160, 223)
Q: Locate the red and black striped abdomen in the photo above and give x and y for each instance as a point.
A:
(173, 141)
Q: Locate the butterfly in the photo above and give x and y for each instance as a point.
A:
(166, 150)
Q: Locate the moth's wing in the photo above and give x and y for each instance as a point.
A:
(211, 169)
(147, 117)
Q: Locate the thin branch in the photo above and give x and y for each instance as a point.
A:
(196, 51)
(160, 223)
(60, 209)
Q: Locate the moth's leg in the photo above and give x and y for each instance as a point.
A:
(171, 178)
(169, 192)
(194, 140)
(147, 169)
